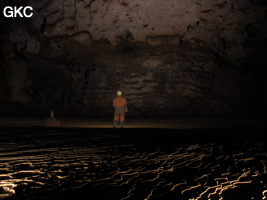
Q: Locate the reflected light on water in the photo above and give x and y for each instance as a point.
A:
(6, 188)
(264, 193)
(49, 164)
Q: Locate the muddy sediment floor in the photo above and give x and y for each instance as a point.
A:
(127, 164)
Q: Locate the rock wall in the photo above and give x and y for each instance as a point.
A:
(228, 27)
(169, 57)
(173, 81)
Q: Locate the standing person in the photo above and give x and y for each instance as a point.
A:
(120, 106)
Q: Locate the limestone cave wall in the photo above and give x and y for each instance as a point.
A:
(169, 57)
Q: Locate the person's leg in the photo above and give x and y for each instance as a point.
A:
(114, 124)
(115, 120)
(122, 121)
(116, 117)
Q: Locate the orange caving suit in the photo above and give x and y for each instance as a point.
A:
(120, 108)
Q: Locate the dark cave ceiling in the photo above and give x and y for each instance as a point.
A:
(180, 57)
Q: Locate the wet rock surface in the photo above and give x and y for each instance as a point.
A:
(49, 163)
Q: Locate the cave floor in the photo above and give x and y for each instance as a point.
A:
(166, 123)
(151, 158)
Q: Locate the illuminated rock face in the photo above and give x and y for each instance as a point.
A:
(168, 57)
(226, 27)
(155, 81)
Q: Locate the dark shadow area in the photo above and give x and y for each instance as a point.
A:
(223, 134)
(133, 163)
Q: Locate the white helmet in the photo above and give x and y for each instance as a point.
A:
(119, 93)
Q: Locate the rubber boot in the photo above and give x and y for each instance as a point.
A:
(114, 124)
(122, 124)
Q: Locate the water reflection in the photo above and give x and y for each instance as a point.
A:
(7, 188)
(110, 166)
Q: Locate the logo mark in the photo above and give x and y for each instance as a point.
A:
(18, 12)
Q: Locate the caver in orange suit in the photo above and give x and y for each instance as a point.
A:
(120, 106)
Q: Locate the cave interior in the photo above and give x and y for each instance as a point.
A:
(169, 58)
